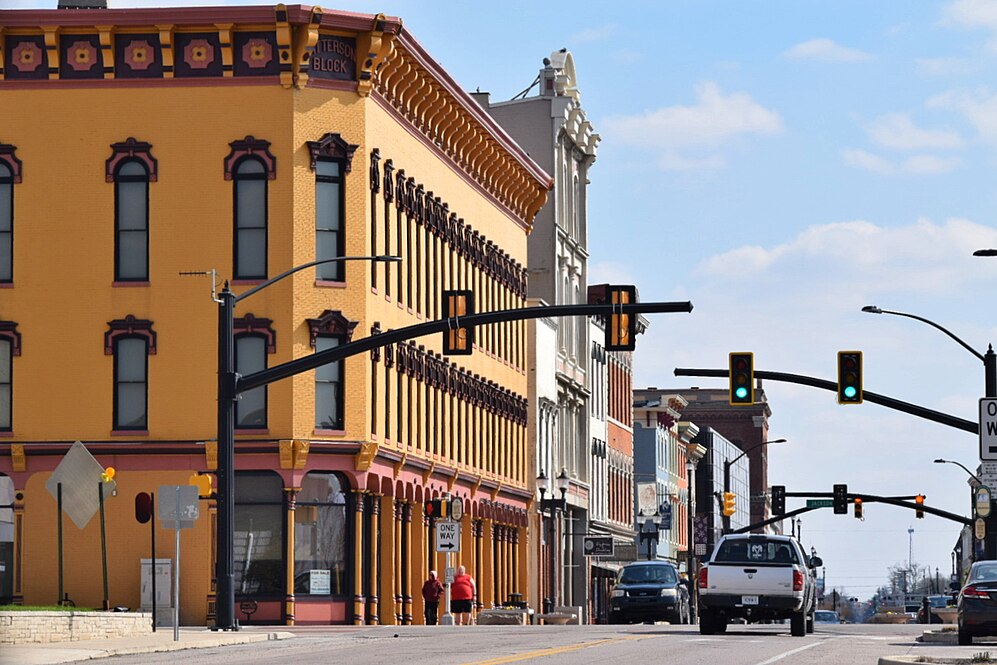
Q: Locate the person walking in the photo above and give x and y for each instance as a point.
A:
(462, 594)
(432, 589)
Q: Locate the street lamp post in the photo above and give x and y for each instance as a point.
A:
(973, 478)
(690, 566)
(648, 532)
(553, 506)
(227, 395)
(728, 464)
(989, 360)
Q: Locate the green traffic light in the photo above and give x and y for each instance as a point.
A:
(741, 392)
(850, 392)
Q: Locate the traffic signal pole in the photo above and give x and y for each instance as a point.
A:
(990, 372)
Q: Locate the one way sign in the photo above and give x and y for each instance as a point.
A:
(448, 536)
(988, 428)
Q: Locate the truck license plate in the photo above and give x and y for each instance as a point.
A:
(749, 600)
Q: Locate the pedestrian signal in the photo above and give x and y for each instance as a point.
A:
(840, 499)
(730, 503)
(742, 379)
(849, 377)
(778, 499)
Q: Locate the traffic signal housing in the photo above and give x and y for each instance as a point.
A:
(858, 508)
(437, 508)
(778, 499)
(742, 378)
(458, 340)
(143, 507)
(919, 510)
(849, 377)
(621, 328)
(840, 499)
(730, 503)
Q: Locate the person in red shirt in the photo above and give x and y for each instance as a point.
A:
(432, 589)
(462, 593)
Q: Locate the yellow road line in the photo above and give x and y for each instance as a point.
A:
(529, 655)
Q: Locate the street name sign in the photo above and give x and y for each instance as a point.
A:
(448, 536)
(988, 428)
(820, 503)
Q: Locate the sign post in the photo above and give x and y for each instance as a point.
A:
(177, 514)
(448, 541)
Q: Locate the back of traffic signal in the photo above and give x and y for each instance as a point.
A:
(841, 498)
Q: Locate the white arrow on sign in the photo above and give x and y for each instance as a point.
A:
(448, 536)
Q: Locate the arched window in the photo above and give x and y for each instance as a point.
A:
(131, 222)
(6, 223)
(250, 357)
(250, 207)
(131, 408)
(329, 239)
(321, 528)
(259, 534)
(329, 387)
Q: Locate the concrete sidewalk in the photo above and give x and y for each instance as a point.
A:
(162, 640)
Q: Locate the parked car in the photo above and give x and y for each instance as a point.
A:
(649, 591)
(826, 616)
(977, 605)
(934, 603)
(758, 577)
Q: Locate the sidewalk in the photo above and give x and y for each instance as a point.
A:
(162, 640)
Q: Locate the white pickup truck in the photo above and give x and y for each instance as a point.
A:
(758, 577)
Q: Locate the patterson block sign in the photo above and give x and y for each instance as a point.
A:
(334, 58)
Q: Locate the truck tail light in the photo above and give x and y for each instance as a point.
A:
(797, 580)
(703, 578)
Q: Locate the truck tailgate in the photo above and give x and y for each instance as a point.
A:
(749, 579)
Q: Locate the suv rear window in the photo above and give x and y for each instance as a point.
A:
(756, 550)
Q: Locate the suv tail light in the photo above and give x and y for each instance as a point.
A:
(973, 592)
(797, 580)
(703, 578)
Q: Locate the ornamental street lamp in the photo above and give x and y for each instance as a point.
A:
(227, 395)
(648, 532)
(728, 464)
(553, 507)
(989, 360)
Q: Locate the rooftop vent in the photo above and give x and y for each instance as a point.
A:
(82, 4)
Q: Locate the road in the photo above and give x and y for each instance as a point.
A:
(569, 645)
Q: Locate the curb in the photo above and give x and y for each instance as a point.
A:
(219, 641)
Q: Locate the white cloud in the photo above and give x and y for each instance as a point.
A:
(692, 136)
(913, 165)
(598, 34)
(943, 66)
(825, 50)
(973, 14)
(978, 106)
(610, 272)
(897, 130)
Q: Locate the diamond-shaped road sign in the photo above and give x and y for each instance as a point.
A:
(79, 474)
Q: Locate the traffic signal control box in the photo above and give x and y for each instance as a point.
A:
(849, 377)
(742, 378)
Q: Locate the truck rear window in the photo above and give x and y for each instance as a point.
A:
(756, 550)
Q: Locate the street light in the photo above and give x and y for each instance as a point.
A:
(648, 531)
(989, 360)
(227, 395)
(553, 506)
(690, 566)
(974, 482)
(728, 463)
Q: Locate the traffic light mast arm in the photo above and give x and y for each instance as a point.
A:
(882, 400)
(305, 363)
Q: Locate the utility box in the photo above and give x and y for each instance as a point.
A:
(164, 590)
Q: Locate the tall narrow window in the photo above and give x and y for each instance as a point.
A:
(328, 388)
(322, 536)
(6, 223)
(131, 222)
(131, 383)
(250, 206)
(258, 540)
(329, 218)
(250, 357)
(6, 384)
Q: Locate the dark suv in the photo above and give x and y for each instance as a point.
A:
(649, 591)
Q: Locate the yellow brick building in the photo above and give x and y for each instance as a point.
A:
(139, 144)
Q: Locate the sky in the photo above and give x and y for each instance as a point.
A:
(781, 165)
